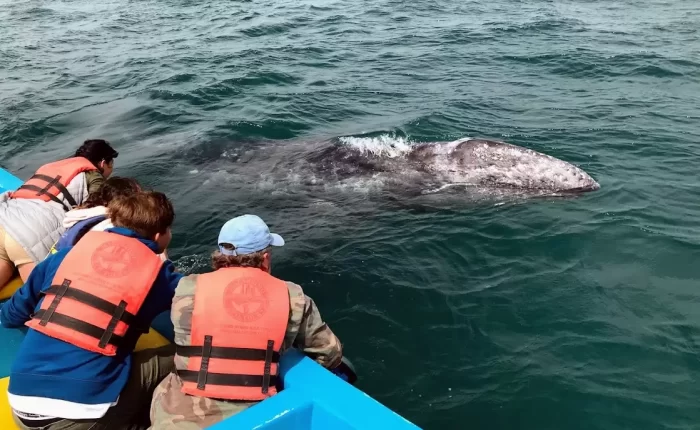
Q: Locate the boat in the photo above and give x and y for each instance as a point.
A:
(312, 397)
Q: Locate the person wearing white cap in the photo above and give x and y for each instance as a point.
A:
(231, 326)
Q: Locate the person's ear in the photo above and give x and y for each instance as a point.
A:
(267, 263)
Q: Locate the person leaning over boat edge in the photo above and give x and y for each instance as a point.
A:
(92, 214)
(101, 154)
(79, 371)
(30, 217)
(248, 313)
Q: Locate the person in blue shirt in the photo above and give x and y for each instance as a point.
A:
(55, 384)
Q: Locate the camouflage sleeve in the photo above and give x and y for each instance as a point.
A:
(313, 336)
(181, 314)
(94, 180)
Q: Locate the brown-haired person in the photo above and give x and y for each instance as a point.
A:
(86, 307)
(242, 318)
(92, 214)
(31, 217)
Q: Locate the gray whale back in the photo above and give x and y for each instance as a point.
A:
(488, 163)
(465, 169)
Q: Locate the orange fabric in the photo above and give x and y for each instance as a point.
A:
(110, 266)
(239, 308)
(64, 170)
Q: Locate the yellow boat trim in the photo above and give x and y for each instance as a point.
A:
(10, 288)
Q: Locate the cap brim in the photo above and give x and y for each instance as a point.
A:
(276, 240)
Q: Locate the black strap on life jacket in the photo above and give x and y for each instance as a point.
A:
(250, 354)
(203, 377)
(106, 336)
(268, 366)
(51, 182)
(228, 380)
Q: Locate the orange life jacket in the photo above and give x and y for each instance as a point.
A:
(97, 291)
(238, 324)
(51, 180)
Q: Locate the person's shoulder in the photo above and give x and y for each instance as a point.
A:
(58, 256)
(94, 180)
(186, 286)
(94, 175)
(168, 276)
(51, 263)
(297, 301)
(183, 301)
(295, 290)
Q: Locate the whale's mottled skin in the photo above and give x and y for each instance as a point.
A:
(481, 164)
(397, 170)
(498, 164)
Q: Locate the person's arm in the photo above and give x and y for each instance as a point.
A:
(165, 285)
(316, 339)
(19, 308)
(182, 309)
(94, 181)
(172, 276)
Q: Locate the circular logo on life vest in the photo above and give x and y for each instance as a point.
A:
(112, 260)
(245, 300)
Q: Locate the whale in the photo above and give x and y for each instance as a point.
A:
(395, 168)
(479, 164)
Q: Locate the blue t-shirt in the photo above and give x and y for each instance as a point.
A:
(51, 368)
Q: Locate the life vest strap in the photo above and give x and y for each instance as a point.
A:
(79, 326)
(268, 366)
(109, 331)
(60, 292)
(204, 364)
(50, 196)
(226, 379)
(92, 301)
(51, 182)
(249, 354)
(105, 336)
(56, 182)
(203, 377)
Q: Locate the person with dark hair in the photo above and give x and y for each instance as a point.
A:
(86, 307)
(92, 214)
(101, 154)
(31, 217)
(238, 320)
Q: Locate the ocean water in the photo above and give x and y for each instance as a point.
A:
(547, 313)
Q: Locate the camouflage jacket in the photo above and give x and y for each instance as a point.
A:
(172, 409)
